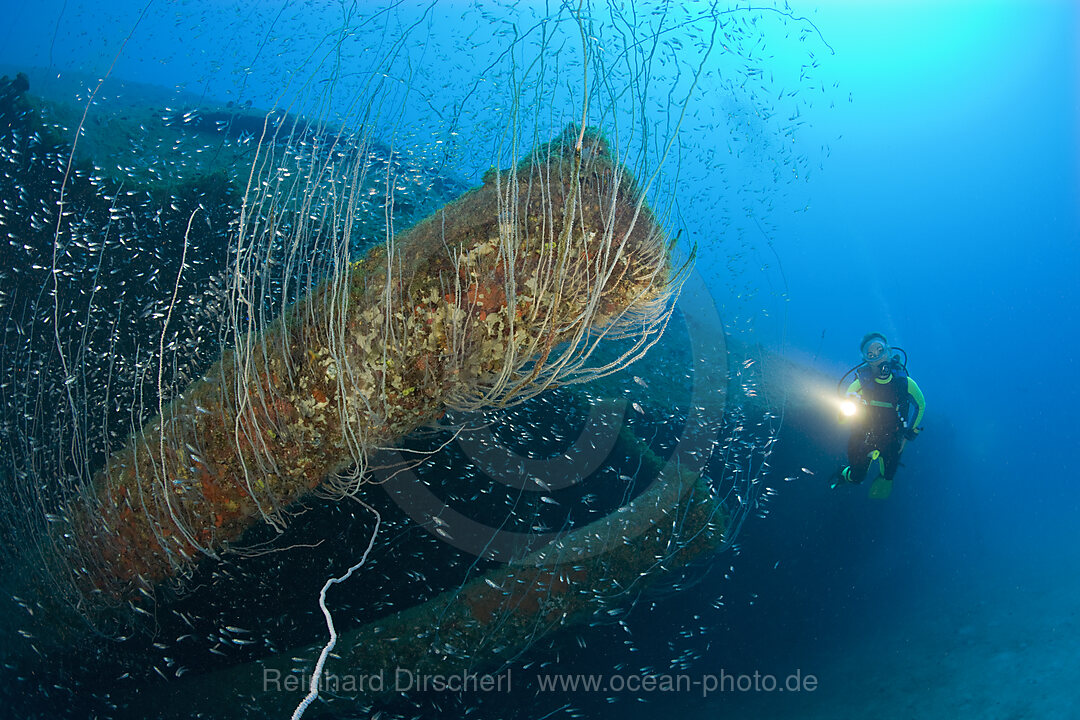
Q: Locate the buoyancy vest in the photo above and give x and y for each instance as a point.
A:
(887, 401)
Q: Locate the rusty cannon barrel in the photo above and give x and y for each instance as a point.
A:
(490, 300)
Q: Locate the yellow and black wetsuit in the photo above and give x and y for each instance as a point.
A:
(881, 426)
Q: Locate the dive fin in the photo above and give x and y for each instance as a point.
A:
(880, 488)
(842, 476)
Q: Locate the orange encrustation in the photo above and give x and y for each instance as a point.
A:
(493, 298)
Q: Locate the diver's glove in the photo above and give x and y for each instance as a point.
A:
(912, 433)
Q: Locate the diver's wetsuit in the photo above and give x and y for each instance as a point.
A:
(881, 425)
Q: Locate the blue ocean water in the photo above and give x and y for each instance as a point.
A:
(909, 168)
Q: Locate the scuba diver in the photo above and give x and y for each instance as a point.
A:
(878, 403)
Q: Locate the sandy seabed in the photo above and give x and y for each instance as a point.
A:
(1005, 648)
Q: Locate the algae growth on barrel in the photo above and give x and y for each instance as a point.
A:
(495, 298)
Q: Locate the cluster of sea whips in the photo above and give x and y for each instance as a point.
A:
(392, 300)
(489, 301)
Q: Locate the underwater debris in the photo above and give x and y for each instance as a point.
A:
(493, 299)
